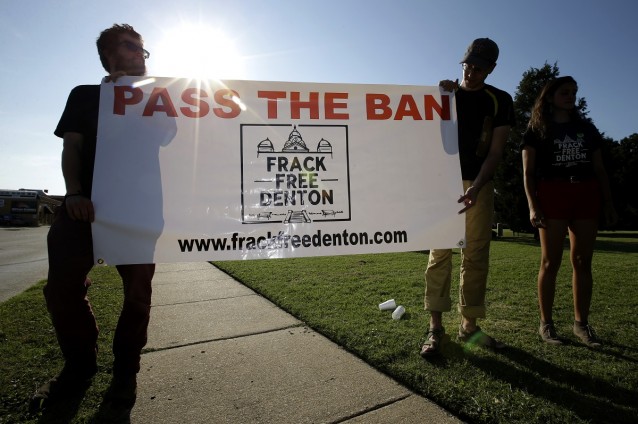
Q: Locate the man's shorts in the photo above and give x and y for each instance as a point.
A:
(564, 199)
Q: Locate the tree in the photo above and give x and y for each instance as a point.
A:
(621, 162)
(510, 201)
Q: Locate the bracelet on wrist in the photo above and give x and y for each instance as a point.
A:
(72, 195)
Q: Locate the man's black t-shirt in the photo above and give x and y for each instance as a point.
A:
(478, 113)
(81, 115)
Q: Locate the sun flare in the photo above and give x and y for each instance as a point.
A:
(197, 51)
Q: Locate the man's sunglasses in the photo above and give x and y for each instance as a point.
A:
(132, 47)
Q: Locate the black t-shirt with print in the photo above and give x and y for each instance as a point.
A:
(81, 116)
(567, 151)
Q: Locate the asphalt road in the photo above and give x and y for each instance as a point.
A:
(23, 259)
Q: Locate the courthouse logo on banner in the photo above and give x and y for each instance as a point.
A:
(200, 170)
(295, 173)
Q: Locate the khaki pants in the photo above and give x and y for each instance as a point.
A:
(474, 261)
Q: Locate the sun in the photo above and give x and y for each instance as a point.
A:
(196, 51)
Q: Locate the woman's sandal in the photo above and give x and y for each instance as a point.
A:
(432, 345)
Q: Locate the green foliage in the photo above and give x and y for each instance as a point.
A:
(621, 162)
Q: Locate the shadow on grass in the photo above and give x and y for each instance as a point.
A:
(523, 241)
(63, 411)
(617, 355)
(615, 246)
(620, 234)
(588, 398)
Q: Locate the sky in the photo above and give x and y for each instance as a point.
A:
(48, 47)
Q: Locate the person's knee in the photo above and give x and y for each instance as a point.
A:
(550, 266)
(65, 293)
(582, 258)
(440, 258)
(138, 299)
(140, 309)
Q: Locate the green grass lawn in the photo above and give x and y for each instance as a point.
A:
(530, 382)
(30, 353)
(338, 296)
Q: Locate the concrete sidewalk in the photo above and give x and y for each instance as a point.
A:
(220, 353)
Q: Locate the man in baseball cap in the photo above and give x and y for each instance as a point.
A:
(485, 115)
(482, 52)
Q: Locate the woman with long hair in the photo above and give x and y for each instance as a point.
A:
(567, 189)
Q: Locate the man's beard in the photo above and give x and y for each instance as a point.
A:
(133, 68)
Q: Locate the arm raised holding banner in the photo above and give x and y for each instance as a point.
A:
(496, 143)
(78, 204)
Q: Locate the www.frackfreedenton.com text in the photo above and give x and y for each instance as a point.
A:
(286, 241)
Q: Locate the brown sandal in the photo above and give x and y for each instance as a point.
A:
(432, 345)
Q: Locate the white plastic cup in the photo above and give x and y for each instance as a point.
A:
(398, 312)
(388, 305)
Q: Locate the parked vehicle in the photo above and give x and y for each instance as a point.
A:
(27, 207)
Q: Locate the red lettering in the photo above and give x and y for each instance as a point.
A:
(296, 105)
(272, 97)
(376, 102)
(124, 96)
(193, 97)
(224, 98)
(153, 105)
(407, 107)
(442, 109)
(331, 105)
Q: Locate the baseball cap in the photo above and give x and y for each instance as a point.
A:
(482, 52)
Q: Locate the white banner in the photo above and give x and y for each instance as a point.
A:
(189, 170)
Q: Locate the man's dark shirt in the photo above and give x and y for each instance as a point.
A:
(473, 108)
(81, 115)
